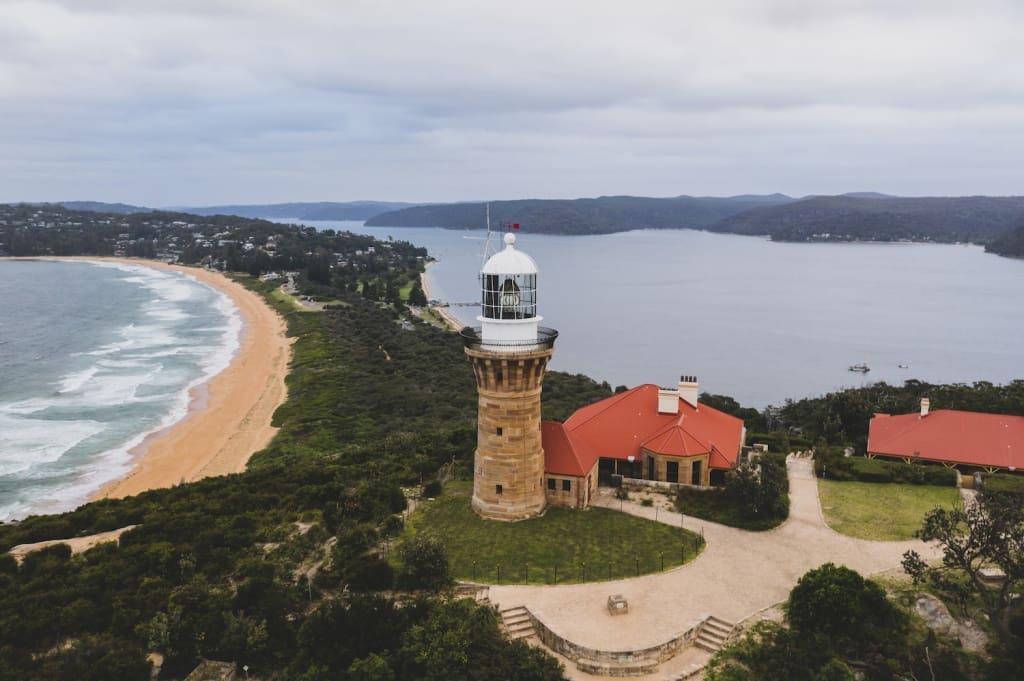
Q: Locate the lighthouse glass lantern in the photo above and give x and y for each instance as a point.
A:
(509, 299)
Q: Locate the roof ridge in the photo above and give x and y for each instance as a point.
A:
(611, 401)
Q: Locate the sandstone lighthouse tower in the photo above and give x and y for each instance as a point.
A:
(509, 353)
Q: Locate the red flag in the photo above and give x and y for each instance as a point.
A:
(515, 225)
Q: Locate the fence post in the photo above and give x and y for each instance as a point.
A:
(583, 571)
(499, 572)
(474, 570)
(637, 560)
(661, 554)
(556, 574)
(526, 573)
(609, 569)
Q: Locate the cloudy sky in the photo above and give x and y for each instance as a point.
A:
(191, 102)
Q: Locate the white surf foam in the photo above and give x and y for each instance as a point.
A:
(28, 443)
(143, 356)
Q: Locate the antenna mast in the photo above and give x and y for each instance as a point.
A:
(487, 243)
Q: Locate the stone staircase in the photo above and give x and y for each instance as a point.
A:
(517, 623)
(481, 593)
(713, 634)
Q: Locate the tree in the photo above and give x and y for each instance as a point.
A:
(841, 610)
(986, 533)
(416, 295)
(424, 564)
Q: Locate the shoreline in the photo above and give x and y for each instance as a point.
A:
(447, 317)
(228, 416)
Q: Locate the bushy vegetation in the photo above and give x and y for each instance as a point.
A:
(1009, 483)
(831, 464)
(842, 417)
(755, 497)
(840, 627)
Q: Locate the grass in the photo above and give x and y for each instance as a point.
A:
(715, 506)
(881, 511)
(280, 296)
(564, 546)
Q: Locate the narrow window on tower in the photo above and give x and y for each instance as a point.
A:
(497, 490)
(499, 430)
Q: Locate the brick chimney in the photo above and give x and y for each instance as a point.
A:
(688, 389)
(925, 403)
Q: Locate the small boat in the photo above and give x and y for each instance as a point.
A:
(903, 366)
(860, 368)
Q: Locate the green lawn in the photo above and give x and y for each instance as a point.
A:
(884, 511)
(564, 545)
(280, 296)
(715, 506)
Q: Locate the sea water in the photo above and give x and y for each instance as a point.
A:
(759, 320)
(93, 358)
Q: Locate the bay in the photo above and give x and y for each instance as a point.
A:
(761, 321)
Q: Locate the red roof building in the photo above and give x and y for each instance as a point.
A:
(949, 436)
(648, 432)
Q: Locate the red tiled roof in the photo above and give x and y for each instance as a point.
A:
(617, 428)
(560, 456)
(953, 436)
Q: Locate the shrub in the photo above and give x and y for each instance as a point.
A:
(1002, 482)
(647, 502)
(424, 564)
(862, 469)
(432, 489)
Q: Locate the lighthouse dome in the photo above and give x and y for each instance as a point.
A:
(510, 260)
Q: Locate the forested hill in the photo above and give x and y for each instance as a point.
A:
(322, 210)
(1010, 244)
(601, 215)
(978, 219)
(849, 217)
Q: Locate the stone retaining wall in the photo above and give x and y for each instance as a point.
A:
(614, 662)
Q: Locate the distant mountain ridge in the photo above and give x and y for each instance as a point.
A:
(978, 219)
(320, 210)
(601, 215)
(858, 216)
(855, 216)
(101, 207)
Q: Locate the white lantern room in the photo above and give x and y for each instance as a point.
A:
(509, 299)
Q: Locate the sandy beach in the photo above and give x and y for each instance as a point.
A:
(453, 323)
(229, 417)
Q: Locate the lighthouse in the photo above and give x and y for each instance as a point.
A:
(509, 352)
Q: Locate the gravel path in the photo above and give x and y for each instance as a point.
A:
(739, 574)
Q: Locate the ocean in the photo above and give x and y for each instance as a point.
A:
(93, 358)
(758, 320)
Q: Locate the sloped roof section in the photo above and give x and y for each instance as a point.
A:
(950, 435)
(561, 456)
(619, 426)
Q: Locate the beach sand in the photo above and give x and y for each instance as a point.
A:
(453, 323)
(229, 416)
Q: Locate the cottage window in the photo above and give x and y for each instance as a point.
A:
(566, 485)
(551, 483)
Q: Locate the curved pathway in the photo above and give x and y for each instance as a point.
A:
(738, 574)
